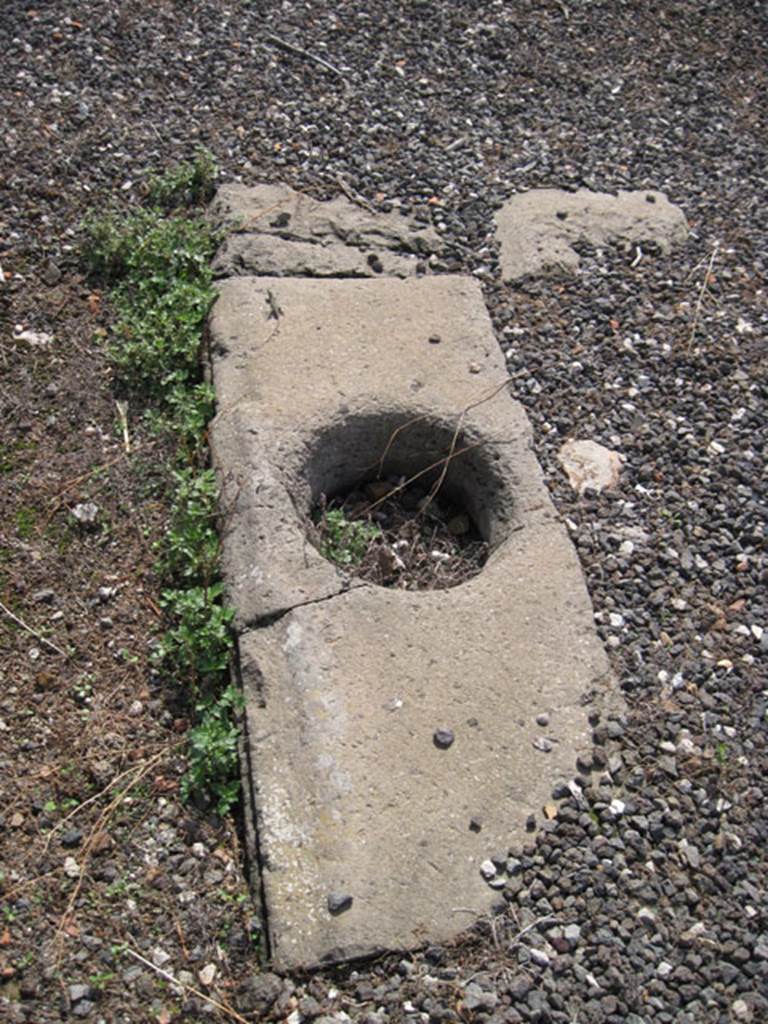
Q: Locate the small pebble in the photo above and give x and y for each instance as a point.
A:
(71, 867)
(488, 870)
(443, 738)
(338, 902)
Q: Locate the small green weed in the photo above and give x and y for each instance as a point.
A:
(100, 980)
(26, 520)
(346, 541)
(189, 408)
(11, 455)
(188, 184)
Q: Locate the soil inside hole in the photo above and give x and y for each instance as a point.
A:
(399, 536)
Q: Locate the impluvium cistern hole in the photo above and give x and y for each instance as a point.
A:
(404, 503)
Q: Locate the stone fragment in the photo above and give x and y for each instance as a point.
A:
(537, 229)
(259, 992)
(207, 975)
(475, 998)
(690, 854)
(646, 915)
(589, 465)
(572, 934)
(301, 218)
(37, 339)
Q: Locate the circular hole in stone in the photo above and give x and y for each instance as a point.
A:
(402, 501)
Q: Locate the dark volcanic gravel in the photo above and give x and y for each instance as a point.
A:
(642, 895)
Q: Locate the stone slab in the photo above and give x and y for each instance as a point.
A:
(321, 384)
(537, 229)
(279, 211)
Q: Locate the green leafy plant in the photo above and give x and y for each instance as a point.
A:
(212, 754)
(197, 647)
(186, 184)
(345, 541)
(190, 549)
(158, 268)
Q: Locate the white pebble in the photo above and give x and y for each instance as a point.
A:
(71, 868)
(488, 869)
(207, 975)
(159, 957)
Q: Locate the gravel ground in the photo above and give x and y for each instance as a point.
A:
(641, 897)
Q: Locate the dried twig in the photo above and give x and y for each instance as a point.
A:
(301, 52)
(702, 292)
(486, 397)
(34, 632)
(352, 196)
(223, 1007)
(140, 771)
(57, 502)
(122, 412)
(91, 799)
(529, 928)
(473, 405)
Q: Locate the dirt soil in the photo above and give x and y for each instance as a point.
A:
(120, 902)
